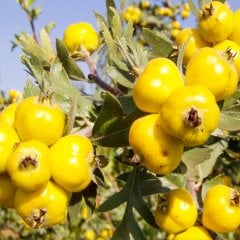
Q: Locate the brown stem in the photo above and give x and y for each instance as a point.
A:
(93, 76)
(104, 85)
(193, 188)
(30, 18)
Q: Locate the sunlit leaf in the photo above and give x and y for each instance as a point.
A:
(160, 46)
(68, 63)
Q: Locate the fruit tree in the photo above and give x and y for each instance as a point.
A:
(151, 153)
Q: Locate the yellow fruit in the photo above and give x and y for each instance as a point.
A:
(133, 14)
(221, 202)
(7, 191)
(232, 50)
(8, 139)
(70, 159)
(235, 36)
(176, 24)
(145, 4)
(185, 14)
(28, 165)
(176, 212)
(81, 34)
(43, 207)
(39, 119)
(190, 113)
(159, 152)
(174, 33)
(158, 79)
(193, 40)
(7, 115)
(215, 22)
(208, 67)
(199, 233)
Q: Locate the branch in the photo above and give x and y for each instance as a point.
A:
(30, 18)
(93, 76)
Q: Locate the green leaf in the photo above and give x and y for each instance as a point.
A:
(200, 161)
(127, 104)
(230, 119)
(109, 118)
(74, 205)
(68, 63)
(174, 180)
(134, 228)
(142, 208)
(116, 24)
(120, 197)
(89, 195)
(160, 46)
(113, 52)
(194, 9)
(110, 14)
(35, 12)
(43, 51)
(49, 27)
(46, 45)
(119, 77)
(30, 89)
(115, 200)
(111, 126)
(71, 116)
(231, 101)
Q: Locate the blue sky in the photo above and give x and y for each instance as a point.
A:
(13, 20)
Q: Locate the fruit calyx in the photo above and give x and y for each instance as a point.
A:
(235, 197)
(163, 204)
(208, 11)
(192, 118)
(27, 162)
(38, 218)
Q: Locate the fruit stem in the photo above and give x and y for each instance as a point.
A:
(193, 188)
(93, 76)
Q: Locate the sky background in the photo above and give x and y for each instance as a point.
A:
(13, 20)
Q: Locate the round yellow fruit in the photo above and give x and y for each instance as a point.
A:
(8, 139)
(198, 232)
(221, 202)
(7, 115)
(81, 34)
(28, 165)
(39, 119)
(216, 21)
(193, 40)
(159, 152)
(176, 211)
(7, 191)
(70, 159)
(158, 79)
(208, 67)
(43, 207)
(190, 114)
(232, 50)
(235, 36)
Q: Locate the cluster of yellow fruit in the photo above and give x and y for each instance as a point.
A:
(213, 47)
(178, 116)
(183, 110)
(177, 213)
(39, 166)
